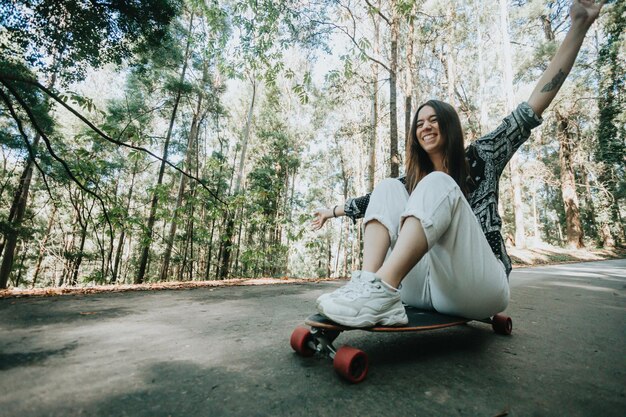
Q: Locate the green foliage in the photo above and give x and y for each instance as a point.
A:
(85, 103)
(612, 102)
(267, 28)
(10, 139)
(34, 100)
(611, 131)
(79, 33)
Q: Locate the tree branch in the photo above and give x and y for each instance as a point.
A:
(101, 133)
(377, 10)
(20, 127)
(46, 140)
(355, 43)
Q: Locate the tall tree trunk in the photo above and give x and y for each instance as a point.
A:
(193, 137)
(245, 139)
(83, 221)
(120, 242)
(230, 223)
(329, 255)
(408, 79)
(393, 93)
(192, 224)
(371, 168)
(79, 258)
(226, 248)
(537, 235)
(590, 217)
(147, 239)
(450, 59)
(18, 207)
(20, 269)
(482, 106)
(185, 251)
(207, 271)
(573, 229)
(611, 130)
(290, 220)
(239, 242)
(68, 249)
(516, 182)
(338, 253)
(573, 224)
(16, 215)
(209, 255)
(42, 246)
(227, 228)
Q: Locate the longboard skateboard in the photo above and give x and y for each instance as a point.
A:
(352, 364)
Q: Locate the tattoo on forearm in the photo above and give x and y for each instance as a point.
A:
(555, 83)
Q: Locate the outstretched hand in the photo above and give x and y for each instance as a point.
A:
(320, 217)
(585, 11)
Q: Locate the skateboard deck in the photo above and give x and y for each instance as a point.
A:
(352, 364)
(419, 320)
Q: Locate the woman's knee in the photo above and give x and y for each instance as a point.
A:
(434, 185)
(390, 185)
(437, 180)
(390, 191)
(387, 202)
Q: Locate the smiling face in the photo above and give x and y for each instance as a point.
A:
(429, 135)
(437, 144)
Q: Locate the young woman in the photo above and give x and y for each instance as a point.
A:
(437, 230)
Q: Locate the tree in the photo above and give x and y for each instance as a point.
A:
(516, 186)
(574, 230)
(611, 131)
(178, 93)
(267, 29)
(74, 35)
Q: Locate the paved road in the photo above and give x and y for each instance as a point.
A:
(225, 352)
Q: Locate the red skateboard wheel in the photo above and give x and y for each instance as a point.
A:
(299, 341)
(352, 364)
(502, 324)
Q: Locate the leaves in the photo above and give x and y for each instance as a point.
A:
(81, 33)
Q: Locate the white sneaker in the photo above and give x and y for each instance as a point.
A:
(367, 304)
(355, 280)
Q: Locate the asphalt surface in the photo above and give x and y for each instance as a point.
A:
(225, 352)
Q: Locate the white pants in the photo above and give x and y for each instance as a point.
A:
(459, 275)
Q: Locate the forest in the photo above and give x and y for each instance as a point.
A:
(189, 140)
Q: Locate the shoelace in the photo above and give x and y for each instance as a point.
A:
(353, 282)
(360, 287)
(349, 287)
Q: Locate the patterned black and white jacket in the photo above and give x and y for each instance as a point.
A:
(487, 158)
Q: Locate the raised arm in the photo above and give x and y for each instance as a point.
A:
(583, 13)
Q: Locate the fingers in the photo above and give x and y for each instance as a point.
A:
(318, 220)
(317, 224)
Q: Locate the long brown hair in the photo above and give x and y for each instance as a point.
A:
(418, 163)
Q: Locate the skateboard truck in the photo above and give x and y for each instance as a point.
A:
(352, 364)
(322, 341)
